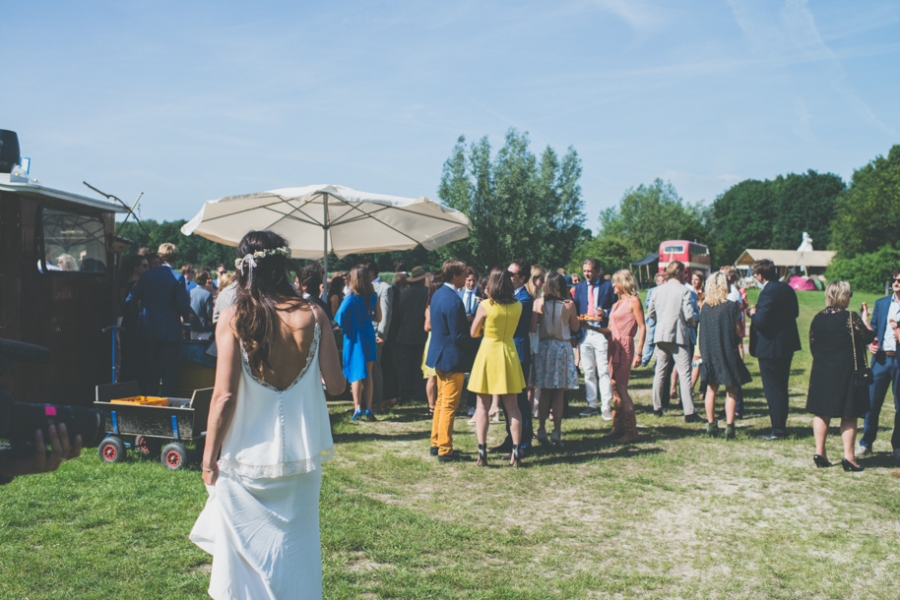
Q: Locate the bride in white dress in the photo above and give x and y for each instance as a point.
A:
(268, 433)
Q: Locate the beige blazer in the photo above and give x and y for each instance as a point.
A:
(670, 305)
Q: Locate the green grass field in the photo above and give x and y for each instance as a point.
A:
(675, 515)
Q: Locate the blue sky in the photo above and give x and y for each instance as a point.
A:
(188, 102)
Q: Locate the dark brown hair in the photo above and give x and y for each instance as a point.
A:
(437, 283)
(451, 269)
(203, 277)
(500, 286)
(259, 292)
(336, 286)
(555, 288)
(360, 284)
(765, 268)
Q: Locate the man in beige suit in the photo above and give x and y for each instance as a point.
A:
(670, 305)
(382, 290)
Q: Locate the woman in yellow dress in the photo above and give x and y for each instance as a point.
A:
(497, 370)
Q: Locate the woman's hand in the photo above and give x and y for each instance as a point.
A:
(637, 360)
(210, 472)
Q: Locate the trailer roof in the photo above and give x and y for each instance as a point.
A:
(16, 185)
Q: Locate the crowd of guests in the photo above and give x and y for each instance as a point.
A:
(513, 342)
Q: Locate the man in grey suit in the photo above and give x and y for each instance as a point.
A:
(385, 299)
(671, 307)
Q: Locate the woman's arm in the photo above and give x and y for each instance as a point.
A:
(329, 359)
(638, 311)
(378, 314)
(536, 314)
(222, 405)
(574, 323)
(428, 318)
(335, 304)
(478, 322)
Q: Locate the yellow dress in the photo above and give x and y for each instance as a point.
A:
(426, 370)
(497, 369)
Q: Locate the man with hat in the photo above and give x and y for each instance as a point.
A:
(411, 335)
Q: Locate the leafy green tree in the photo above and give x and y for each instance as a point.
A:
(191, 248)
(519, 206)
(612, 252)
(650, 214)
(867, 215)
(743, 217)
(804, 203)
(866, 272)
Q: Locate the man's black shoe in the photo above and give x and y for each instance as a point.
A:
(692, 418)
(774, 436)
(658, 412)
(452, 457)
(504, 448)
(434, 451)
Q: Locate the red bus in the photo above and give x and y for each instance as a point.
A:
(694, 256)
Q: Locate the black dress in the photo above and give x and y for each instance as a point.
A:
(831, 390)
(719, 342)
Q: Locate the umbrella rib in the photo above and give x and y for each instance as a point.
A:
(365, 215)
(281, 200)
(340, 221)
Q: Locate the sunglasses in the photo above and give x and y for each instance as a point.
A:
(896, 279)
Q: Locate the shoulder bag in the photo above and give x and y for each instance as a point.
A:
(861, 377)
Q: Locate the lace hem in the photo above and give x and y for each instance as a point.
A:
(296, 467)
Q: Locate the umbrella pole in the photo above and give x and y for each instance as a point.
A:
(325, 255)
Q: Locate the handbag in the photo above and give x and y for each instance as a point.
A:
(861, 377)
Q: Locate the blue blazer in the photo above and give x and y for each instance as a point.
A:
(521, 337)
(605, 298)
(164, 300)
(449, 349)
(880, 319)
(773, 329)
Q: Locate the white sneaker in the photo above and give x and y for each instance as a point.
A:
(863, 450)
(590, 411)
(606, 413)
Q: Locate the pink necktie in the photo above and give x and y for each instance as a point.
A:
(591, 311)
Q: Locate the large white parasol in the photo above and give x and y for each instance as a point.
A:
(350, 221)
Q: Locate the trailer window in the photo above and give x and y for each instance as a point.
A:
(71, 242)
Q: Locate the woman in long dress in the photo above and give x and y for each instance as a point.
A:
(553, 320)
(626, 319)
(497, 370)
(268, 434)
(832, 393)
(720, 349)
(359, 309)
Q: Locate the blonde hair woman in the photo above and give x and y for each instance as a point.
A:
(832, 391)
(720, 340)
(626, 320)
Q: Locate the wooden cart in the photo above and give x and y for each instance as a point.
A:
(146, 428)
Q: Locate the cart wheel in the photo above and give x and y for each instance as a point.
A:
(147, 446)
(112, 449)
(174, 455)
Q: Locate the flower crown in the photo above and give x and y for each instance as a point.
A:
(249, 258)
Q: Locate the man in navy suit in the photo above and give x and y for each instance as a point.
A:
(164, 301)
(773, 340)
(594, 296)
(449, 355)
(885, 367)
(520, 271)
(469, 296)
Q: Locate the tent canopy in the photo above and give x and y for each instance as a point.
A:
(647, 260)
(787, 258)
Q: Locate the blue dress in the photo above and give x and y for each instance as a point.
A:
(355, 321)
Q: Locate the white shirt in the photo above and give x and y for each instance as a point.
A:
(735, 295)
(451, 286)
(469, 301)
(517, 290)
(889, 344)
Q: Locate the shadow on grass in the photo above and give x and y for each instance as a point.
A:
(364, 435)
(582, 451)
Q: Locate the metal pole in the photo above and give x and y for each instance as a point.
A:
(325, 255)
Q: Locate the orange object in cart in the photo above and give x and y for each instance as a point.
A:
(151, 400)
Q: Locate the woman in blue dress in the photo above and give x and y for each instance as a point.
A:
(358, 311)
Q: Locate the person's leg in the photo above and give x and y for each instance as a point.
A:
(494, 412)
(514, 417)
(772, 371)
(481, 417)
(525, 410)
(604, 383)
(820, 432)
(368, 389)
(739, 402)
(784, 376)
(388, 373)
(169, 368)
(730, 404)
(449, 394)
(663, 357)
(431, 392)
(877, 391)
(544, 401)
(356, 389)
(589, 367)
(435, 418)
(377, 393)
(559, 403)
(710, 402)
(848, 436)
(628, 419)
(683, 357)
(649, 346)
(895, 387)
(665, 395)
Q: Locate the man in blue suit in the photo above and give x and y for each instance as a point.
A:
(520, 271)
(885, 367)
(164, 301)
(469, 296)
(773, 340)
(594, 296)
(449, 355)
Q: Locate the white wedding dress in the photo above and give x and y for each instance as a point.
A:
(261, 520)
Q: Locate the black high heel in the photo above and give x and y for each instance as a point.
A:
(849, 466)
(482, 455)
(821, 461)
(515, 459)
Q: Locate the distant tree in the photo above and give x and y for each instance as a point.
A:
(612, 252)
(868, 272)
(867, 214)
(649, 214)
(804, 203)
(518, 207)
(743, 217)
(191, 248)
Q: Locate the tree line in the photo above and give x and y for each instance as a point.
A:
(529, 205)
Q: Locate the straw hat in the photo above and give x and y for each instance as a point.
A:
(417, 274)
